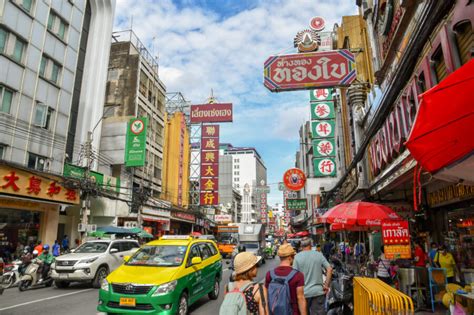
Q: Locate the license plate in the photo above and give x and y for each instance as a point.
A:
(63, 276)
(127, 302)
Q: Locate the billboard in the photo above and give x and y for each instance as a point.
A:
(212, 113)
(309, 70)
(135, 145)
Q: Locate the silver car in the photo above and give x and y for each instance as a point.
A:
(91, 262)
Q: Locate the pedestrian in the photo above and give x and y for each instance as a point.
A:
(243, 295)
(312, 263)
(327, 248)
(432, 253)
(444, 259)
(235, 252)
(56, 248)
(65, 243)
(420, 255)
(384, 271)
(285, 286)
(39, 247)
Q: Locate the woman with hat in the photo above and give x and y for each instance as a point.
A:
(245, 270)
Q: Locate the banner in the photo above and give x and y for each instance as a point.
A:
(296, 204)
(395, 232)
(209, 182)
(135, 145)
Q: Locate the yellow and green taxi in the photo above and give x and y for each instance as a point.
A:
(163, 277)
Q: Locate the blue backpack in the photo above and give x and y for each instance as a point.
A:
(279, 299)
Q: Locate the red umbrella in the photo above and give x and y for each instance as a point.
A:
(196, 234)
(359, 213)
(335, 227)
(302, 234)
(444, 126)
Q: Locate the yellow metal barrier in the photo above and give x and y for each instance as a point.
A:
(373, 296)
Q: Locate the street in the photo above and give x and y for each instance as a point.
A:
(81, 299)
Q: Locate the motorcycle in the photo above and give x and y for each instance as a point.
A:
(340, 298)
(11, 275)
(31, 277)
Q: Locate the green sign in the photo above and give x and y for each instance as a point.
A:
(322, 128)
(103, 181)
(135, 149)
(296, 204)
(73, 171)
(324, 147)
(324, 167)
(322, 110)
(320, 95)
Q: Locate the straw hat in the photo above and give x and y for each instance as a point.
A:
(286, 250)
(245, 261)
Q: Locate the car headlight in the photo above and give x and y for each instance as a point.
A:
(165, 288)
(104, 285)
(88, 260)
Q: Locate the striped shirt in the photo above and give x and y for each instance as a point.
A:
(384, 267)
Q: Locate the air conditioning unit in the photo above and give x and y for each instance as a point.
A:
(130, 224)
(81, 227)
(92, 228)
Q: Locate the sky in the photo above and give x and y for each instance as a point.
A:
(222, 45)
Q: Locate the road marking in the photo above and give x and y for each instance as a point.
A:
(41, 300)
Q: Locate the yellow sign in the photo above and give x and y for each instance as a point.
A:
(450, 194)
(18, 182)
(397, 251)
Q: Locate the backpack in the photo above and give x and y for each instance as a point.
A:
(279, 299)
(234, 301)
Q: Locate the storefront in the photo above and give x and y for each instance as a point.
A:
(29, 207)
(182, 223)
(156, 221)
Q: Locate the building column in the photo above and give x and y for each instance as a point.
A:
(49, 226)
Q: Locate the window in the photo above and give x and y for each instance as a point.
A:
(36, 161)
(421, 83)
(42, 116)
(236, 167)
(236, 179)
(194, 252)
(25, 4)
(205, 251)
(118, 246)
(213, 249)
(439, 65)
(56, 25)
(6, 97)
(3, 148)
(465, 41)
(11, 45)
(50, 69)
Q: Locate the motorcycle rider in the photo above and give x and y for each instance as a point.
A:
(26, 259)
(46, 259)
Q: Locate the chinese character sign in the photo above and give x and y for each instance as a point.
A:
(324, 167)
(322, 128)
(209, 182)
(322, 110)
(324, 147)
(263, 207)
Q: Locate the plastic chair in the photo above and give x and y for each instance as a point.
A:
(438, 281)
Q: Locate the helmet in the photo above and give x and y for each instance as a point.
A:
(46, 247)
(35, 252)
(26, 248)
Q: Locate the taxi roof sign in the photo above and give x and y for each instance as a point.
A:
(176, 237)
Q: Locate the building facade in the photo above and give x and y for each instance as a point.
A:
(44, 60)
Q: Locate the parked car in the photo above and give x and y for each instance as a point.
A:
(164, 277)
(91, 262)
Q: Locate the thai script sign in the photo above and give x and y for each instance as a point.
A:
(209, 182)
(211, 113)
(135, 149)
(393, 252)
(17, 182)
(223, 218)
(450, 194)
(184, 216)
(297, 204)
(395, 232)
(309, 70)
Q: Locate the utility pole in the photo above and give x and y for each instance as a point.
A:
(86, 204)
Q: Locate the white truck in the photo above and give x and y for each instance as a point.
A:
(252, 236)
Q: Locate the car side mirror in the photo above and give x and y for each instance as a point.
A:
(196, 261)
(126, 258)
(114, 250)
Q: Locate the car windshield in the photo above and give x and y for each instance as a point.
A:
(92, 247)
(251, 246)
(162, 255)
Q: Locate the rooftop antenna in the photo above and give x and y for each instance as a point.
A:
(131, 22)
(211, 99)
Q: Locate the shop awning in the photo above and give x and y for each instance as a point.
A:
(443, 132)
(114, 230)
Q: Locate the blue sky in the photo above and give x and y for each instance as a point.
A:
(222, 45)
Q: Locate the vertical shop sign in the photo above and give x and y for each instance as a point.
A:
(209, 183)
(263, 206)
(135, 150)
(324, 147)
(182, 128)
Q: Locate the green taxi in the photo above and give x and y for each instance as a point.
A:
(165, 276)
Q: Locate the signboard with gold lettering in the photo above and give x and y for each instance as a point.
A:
(18, 182)
(397, 251)
(209, 182)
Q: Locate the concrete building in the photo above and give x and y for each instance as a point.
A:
(248, 173)
(229, 196)
(49, 51)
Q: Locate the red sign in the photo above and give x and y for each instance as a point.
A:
(309, 70)
(211, 113)
(395, 232)
(209, 198)
(294, 179)
(209, 183)
(183, 216)
(317, 23)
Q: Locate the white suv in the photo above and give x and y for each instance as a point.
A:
(91, 262)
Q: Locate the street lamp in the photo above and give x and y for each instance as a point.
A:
(88, 154)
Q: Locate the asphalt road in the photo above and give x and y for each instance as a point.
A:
(81, 299)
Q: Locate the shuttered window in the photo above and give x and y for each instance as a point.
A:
(439, 65)
(465, 41)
